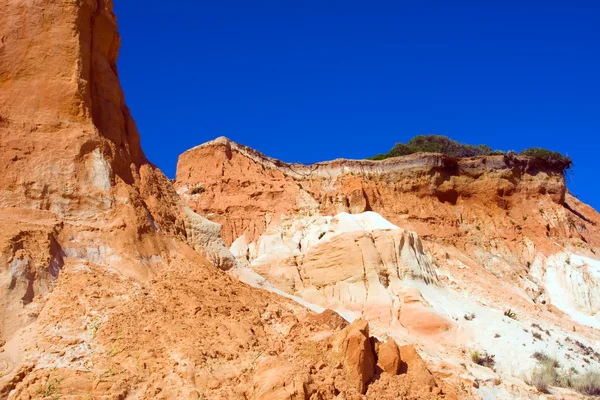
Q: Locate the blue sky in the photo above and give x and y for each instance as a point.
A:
(309, 81)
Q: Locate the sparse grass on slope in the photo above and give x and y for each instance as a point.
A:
(484, 359)
(547, 374)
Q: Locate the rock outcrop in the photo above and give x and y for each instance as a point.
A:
(111, 287)
(205, 237)
(505, 216)
(430, 249)
(355, 346)
(70, 150)
(388, 357)
(245, 190)
(358, 264)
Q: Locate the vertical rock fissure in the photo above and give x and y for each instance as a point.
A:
(366, 282)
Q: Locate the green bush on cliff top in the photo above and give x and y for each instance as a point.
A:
(445, 145)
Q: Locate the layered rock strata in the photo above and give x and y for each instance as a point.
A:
(106, 287)
(484, 255)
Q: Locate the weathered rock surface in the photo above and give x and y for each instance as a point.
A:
(110, 286)
(355, 346)
(276, 379)
(105, 284)
(205, 237)
(415, 381)
(504, 216)
(246, 190)
(431, 250)
(359, 264)
(388, 357)
(413, 365)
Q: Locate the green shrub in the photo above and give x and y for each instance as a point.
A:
(547, 374)
(321, 235)
(437, 144)
(544, 376)
(545, 359)
(51, 387)
(379, 157)
(545, 154)
(588, 383)
(445, 145)
(198, 189)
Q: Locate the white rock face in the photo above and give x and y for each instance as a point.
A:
(573, 285)
(99, 171)
(359, 264)
(204, 236)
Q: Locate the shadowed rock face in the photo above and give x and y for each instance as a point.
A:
(70, 123)
(68, 143)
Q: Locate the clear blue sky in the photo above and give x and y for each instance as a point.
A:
(313, 80)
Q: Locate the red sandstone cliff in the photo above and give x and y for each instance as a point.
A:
(492, 234)
(437, 196)
(102, 293)
(513, 209)
(106, 289)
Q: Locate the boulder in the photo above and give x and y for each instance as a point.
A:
(355, 348)
(388, 357)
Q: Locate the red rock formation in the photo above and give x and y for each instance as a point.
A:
(357, 351)
(496, 214)
(102, 296)
(106, 289)
(433, 194)
(414, 382)
(388, 357)
(492, 234)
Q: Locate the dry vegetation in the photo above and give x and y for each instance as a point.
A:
(484, 359)
(548, 374)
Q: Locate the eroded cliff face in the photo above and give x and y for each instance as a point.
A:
(506, 215)
(75, 182)
(430, 249)
(66, 131)
(244, 190)
(69, 147)
(105, 284)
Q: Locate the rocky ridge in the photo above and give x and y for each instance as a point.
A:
(352, 185)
